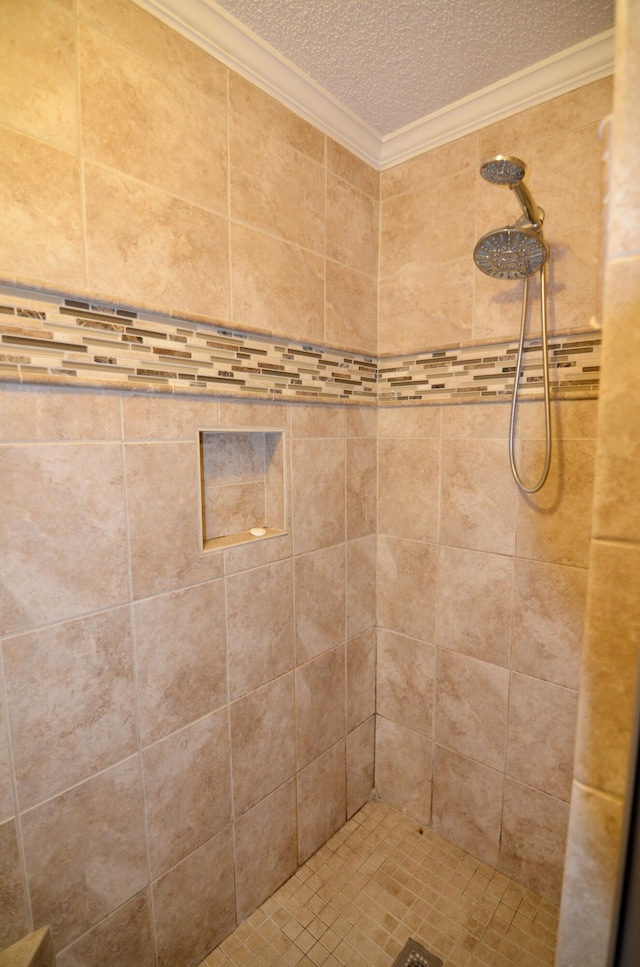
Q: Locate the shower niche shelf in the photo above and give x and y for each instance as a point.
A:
(242, 486)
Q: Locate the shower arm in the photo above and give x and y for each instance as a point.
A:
(531, 211)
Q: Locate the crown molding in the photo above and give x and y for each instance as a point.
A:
(229, 41)
(578, 65)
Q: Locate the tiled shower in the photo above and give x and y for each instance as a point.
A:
(169, 712)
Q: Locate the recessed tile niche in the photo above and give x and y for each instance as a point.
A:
(242, 474)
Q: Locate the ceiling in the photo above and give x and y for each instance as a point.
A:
(389, 78)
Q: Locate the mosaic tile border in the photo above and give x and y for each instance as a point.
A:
(51, 339)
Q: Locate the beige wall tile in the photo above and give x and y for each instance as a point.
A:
(194, 903)
(260, 629)
(360, 763)
(361, 679)
(548, 621)
(426, 307)
(474, 603)
(351, 226)
(320, 590)
(590, 878)
(314, 420)
(322, 797)
(138, 118)
(15, 922)
(497, 304)
(541, 735)
(361, 585)
(573, 279)
(263, 742)
(36, 413)
(147, 246)
(165, 48)
(266, 848)
(403, 769)
(274, 187)
(357, 172)
(38, 72)
(406, 587)
(431, 224)
(471, 707)
(405, 681)
(569, 193)
(236, 412)
(243, 557)
(148, 417)
(447, 159)
(478, 496)
(180, 647)
(266, 112)
(163, 507)
(610, 660)
(361, 487)
(534, 832)
(570, 419)
(318, 491)
(276, 286)
(553, 525)
(564, 113)
(52, 542)
(467, 804)
(484, 420)
(419, 421)
(320, 705)
(408, 485)
(125, 937)
(351, 308)
(362, 421)
(187, 788)
(93, 833)
(42, 221)
(70, 696)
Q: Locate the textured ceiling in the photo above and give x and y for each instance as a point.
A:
(393, 62)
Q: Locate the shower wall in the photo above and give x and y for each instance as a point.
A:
(481, 590)
(178, 730)
(184, 728)
(136, 793)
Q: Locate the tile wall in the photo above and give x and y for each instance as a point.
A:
(269, 227)
(136, 669)
(157, 177)
(481, 595)
(481, 590)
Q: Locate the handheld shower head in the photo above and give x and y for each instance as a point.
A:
(504, 169)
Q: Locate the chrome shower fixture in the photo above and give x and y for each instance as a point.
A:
(519, 250)
(507, 170)
(516, 252)
(511, 253)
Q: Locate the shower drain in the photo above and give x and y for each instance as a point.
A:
(413, 954)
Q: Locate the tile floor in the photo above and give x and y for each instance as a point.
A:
(381, 880)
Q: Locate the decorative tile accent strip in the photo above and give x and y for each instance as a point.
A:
(51, 339)
(487, 372)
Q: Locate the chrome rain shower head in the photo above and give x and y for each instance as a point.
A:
(503, 170)
(511, 253)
